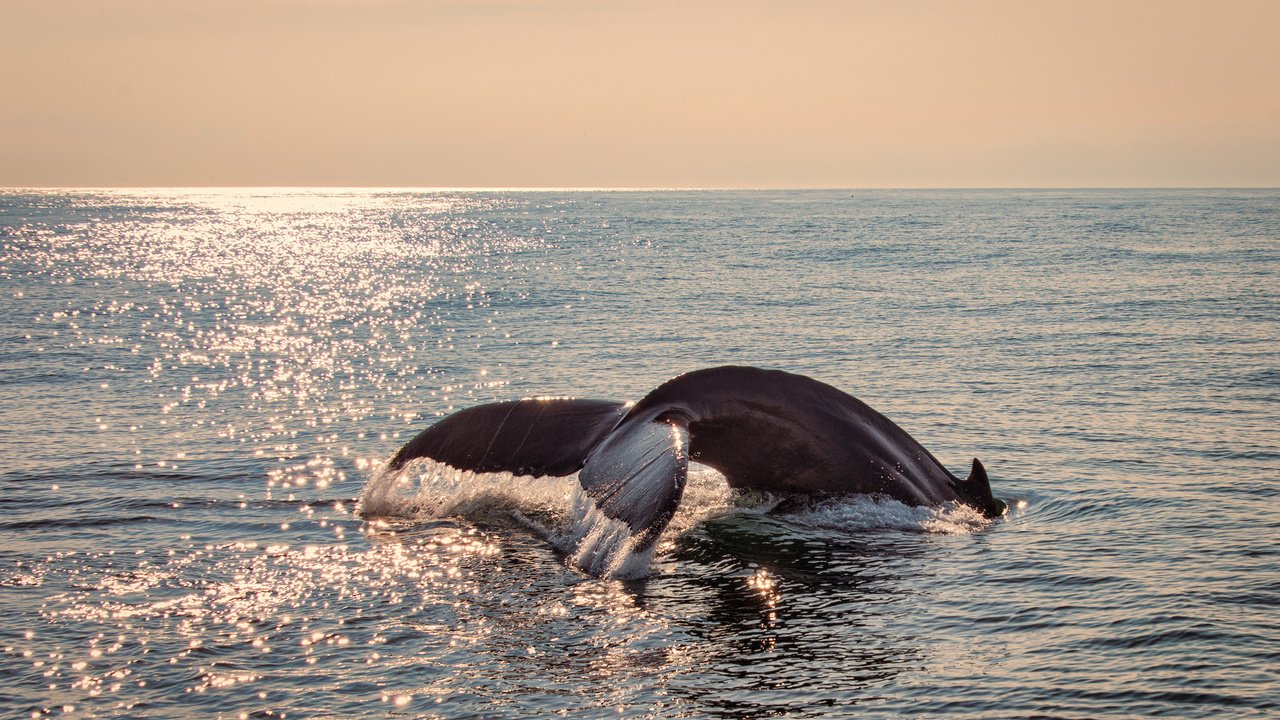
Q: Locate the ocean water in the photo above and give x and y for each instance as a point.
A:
(197, 388)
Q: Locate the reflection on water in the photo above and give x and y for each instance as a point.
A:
(798, 624)
(198, 387)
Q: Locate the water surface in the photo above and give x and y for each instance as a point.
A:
(197, 385)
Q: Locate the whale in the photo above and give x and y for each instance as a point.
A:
(764, 430)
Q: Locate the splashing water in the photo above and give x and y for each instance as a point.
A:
(869, 512)
(555, 509)
(603, 546)
(559, 512)
(425, 489)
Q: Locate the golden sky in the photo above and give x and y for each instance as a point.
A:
(616, 93)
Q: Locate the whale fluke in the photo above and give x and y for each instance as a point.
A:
(763, 430)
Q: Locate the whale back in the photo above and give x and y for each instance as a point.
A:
(779, 432)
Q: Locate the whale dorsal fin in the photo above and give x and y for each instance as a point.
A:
(637, 476)
(977, 490)
(978, 476)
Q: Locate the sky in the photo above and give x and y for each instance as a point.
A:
(616, 93)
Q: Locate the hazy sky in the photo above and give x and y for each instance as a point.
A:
(793, 93)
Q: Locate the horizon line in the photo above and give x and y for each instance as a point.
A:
(605, 188)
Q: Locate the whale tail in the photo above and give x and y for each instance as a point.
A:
(976, 490)
(632, 460)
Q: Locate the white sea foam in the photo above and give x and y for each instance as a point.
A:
(553, 508)
(557, 510)
(867, 512)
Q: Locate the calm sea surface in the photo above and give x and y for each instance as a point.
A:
(196, 386)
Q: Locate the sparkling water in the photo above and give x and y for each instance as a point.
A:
(198, 388)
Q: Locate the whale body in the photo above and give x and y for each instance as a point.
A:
(764, 430)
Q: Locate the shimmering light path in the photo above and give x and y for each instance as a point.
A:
(198, 386)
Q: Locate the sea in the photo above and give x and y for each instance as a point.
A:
(199, 389)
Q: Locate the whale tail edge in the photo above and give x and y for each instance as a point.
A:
(534, 436)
